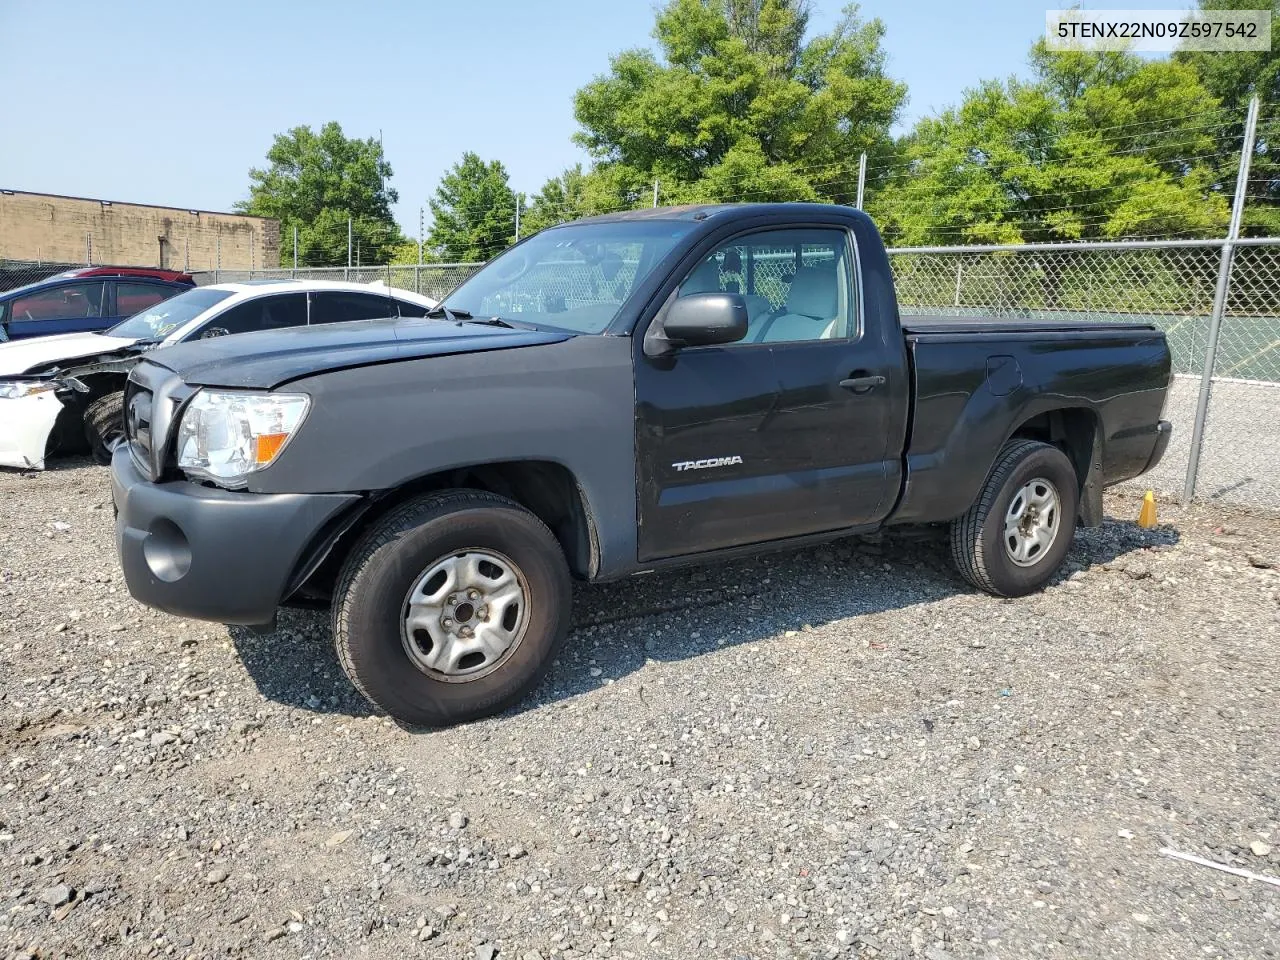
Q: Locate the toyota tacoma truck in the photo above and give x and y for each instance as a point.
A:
(610, 397)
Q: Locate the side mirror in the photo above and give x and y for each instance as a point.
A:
(705, 319)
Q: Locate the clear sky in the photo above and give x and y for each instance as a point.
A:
(171, 103)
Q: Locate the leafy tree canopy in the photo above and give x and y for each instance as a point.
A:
(473, 211)
(1234, 78)
(315, 182)
(1095, 145)
(741, 104)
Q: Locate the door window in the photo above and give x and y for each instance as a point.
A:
(263, 313)
(71, 301)
(337, 307)
(408, 309)
(797, 283)
(132, 298)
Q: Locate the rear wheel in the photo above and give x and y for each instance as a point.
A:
(1016, 535)
(451, 607)
(104, 425)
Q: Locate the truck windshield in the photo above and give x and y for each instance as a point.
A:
(156, 322)
(575, 277)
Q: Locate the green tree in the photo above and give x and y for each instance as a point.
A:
(575, 194)
(1095, 145)
(316, 182)
(1235, 77)
(473, 211)
(741, 105)
(561, 198)
(407, 253)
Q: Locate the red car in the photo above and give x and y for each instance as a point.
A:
(174, 276)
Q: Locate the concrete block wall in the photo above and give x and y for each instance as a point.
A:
(47, 227)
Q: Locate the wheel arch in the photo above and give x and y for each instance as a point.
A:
(1077, 432)
(67, 435)
(102, 382)
(546, 488)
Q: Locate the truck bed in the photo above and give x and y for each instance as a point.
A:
(929, 326)
(975, 378)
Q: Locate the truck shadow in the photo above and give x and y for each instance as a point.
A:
(687, 613)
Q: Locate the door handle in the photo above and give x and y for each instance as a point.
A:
(862, 384)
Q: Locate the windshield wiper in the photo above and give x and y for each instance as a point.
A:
(440, 310)
(465, 316)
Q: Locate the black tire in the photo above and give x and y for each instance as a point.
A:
(374, 585)
(104, 424)
(977, 537)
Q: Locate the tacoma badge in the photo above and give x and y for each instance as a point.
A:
(684, 465)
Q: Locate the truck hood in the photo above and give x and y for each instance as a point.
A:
(270, 358)
(41, 353)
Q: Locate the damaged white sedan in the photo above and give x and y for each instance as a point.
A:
(65, 393)
(29, 411)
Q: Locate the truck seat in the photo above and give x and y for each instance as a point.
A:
(810, 311)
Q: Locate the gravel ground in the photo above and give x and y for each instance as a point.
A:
(839, 752)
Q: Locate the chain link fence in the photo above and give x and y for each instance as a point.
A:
(1171, 284)
(429, 279)
(18, 273)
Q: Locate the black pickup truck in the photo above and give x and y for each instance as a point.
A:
(609, 397)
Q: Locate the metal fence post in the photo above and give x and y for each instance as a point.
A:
(862, 177)
(959, 273)
(1220, 296)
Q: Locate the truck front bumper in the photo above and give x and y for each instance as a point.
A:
(208, 553)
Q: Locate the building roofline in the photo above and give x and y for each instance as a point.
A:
(131, 203)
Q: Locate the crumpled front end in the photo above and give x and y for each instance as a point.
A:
(25, 425)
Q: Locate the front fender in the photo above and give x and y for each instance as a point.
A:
(25, 426)
(378, 428)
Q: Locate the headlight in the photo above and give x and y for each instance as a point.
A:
(13, 389)
(226, 435)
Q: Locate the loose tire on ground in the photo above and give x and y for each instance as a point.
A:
(388, 568)
(104, 424)
(981, 545)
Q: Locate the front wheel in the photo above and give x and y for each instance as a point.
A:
(451, 607)
(1018, 531)
(104, 425)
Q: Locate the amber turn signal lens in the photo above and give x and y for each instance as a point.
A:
(269, 445)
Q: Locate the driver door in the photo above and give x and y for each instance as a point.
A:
(767, 438)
